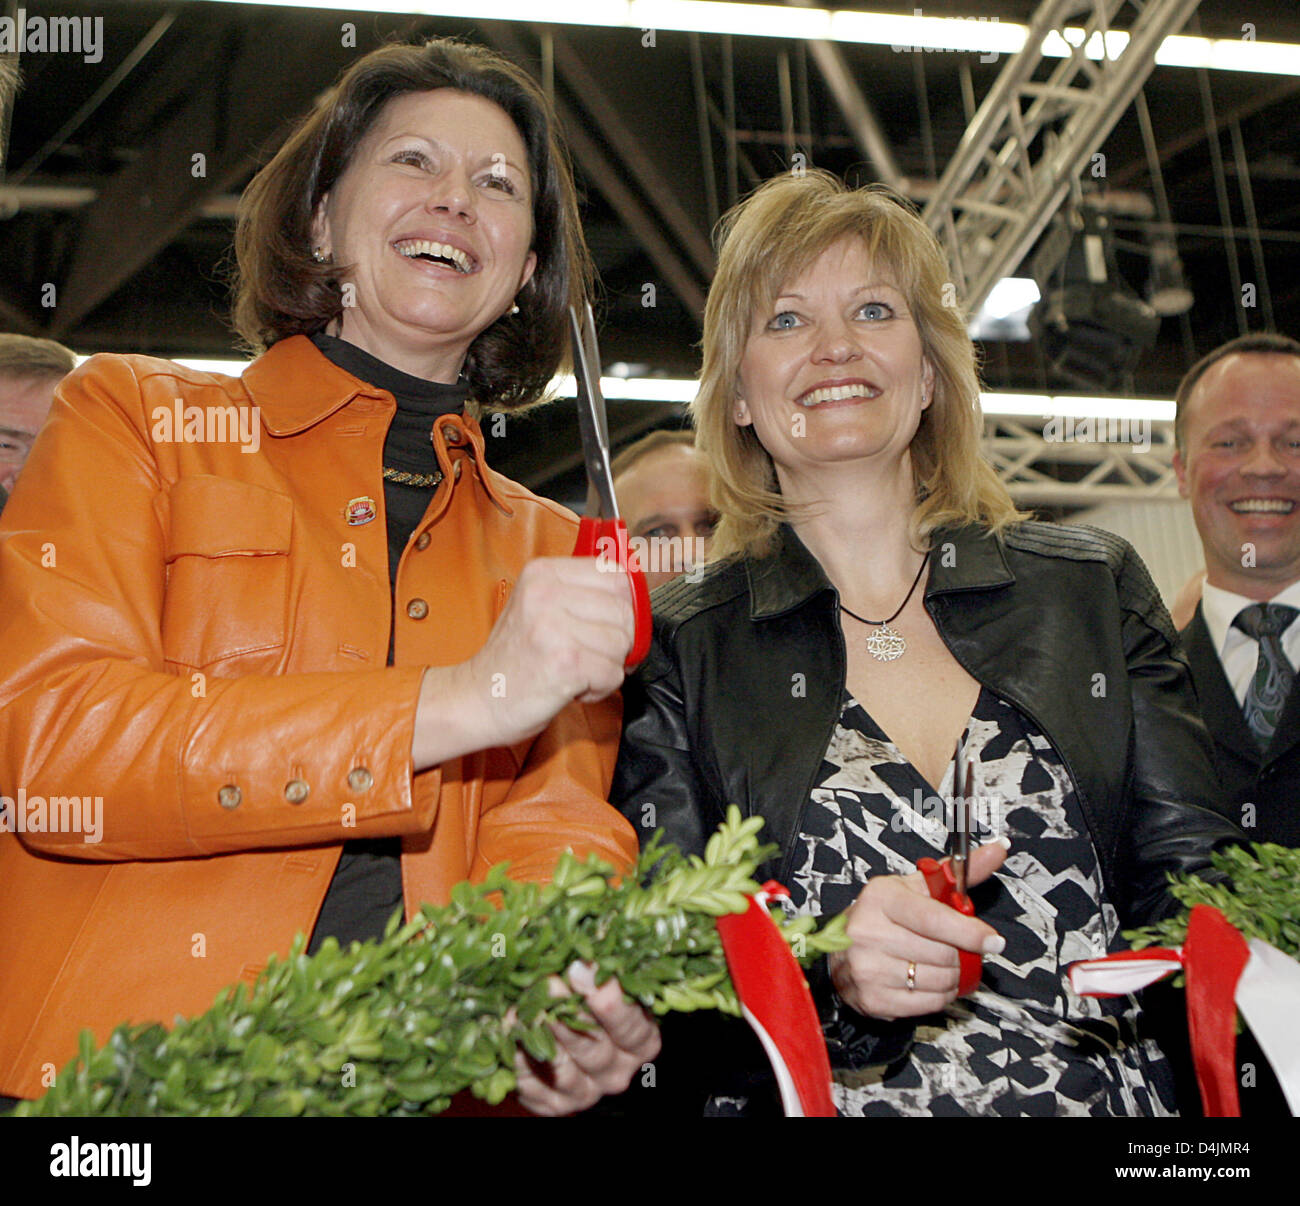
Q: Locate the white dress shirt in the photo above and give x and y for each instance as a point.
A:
(1238, 652)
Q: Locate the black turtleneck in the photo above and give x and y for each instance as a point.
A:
(367, 884)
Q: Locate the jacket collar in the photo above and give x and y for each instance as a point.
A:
(964, 558)
(295, 386)
(787, 577)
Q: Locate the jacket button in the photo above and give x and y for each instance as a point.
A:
(229, 797)
(422, 541)
(296, 791)
(417, 609)
(360, 779)
(451, 434)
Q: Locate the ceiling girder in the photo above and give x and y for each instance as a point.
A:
(1030, 465)
(629, 147)
(142, 208)
(609, 180)
(864, 126)
(1016, 163)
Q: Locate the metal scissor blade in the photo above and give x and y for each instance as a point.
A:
(962, 781)
(593, 371)
(591, 416)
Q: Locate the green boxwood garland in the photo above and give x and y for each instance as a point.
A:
(1261, 898)
(400, 1025)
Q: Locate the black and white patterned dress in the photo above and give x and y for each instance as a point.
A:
(1022, 1043)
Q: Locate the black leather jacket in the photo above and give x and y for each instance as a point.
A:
(740, 694)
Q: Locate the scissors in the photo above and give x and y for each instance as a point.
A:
(946, 881)
(601, 530)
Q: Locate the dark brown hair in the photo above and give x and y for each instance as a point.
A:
(281, 291)
(1261, 342)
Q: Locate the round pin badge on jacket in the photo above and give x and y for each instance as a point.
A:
(360, 510)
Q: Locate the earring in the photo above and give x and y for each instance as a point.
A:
(318, 255)
(510, 313)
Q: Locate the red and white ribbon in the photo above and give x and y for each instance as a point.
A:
(1224, 973)
(777, 1004)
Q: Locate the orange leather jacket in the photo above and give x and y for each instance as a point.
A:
(194, 632)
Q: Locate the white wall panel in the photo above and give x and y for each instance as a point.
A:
(1163, 534)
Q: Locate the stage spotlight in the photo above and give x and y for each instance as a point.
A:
(1091, 326)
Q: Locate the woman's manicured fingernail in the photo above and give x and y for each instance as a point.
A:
(995, 945)
(582, 976)
(1004, 842)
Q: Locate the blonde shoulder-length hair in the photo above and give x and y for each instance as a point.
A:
(764, 243)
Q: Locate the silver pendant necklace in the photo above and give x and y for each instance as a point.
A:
(886, 644)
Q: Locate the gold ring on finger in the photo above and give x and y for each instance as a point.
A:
(911, 977)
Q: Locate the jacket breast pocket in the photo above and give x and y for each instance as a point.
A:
(227, 594)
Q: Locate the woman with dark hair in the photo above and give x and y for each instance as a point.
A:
(303, 655)
(875, 602)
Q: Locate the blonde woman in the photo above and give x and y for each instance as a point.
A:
(877, 599)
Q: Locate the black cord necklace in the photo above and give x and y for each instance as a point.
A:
(886, 644)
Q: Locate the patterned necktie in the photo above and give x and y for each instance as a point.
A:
(1266, 695)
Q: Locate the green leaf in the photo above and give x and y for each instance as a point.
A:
(399, 1025)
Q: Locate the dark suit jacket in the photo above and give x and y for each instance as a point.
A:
(1271, 780)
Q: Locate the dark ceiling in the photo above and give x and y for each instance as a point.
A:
(137, 247)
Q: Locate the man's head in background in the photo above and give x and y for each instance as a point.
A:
(29, 370)
(663, 496)
(1238, 462)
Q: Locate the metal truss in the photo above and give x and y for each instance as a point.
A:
(1101, 462)
(1033, 136)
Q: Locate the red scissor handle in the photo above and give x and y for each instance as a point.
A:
(609, 537)
(943, 888)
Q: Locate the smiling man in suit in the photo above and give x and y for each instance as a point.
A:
(1238, 463)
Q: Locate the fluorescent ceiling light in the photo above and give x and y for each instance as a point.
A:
(1229, 54)
(640, 389)
(1004, 316)
(1009, 296)
(682, 390)
(1072, 406)
(710, 16)
(903, 34)
(1061, 44)
(228, 368)
(976, 34)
